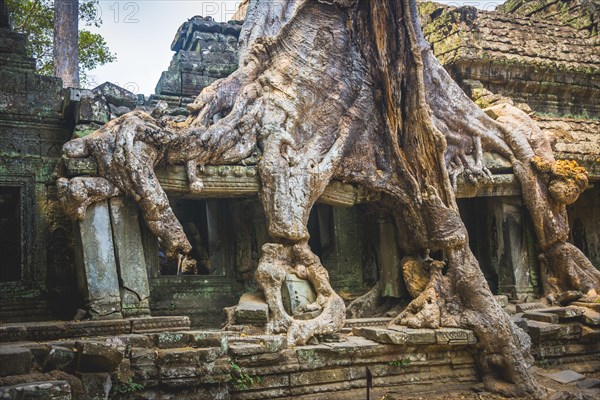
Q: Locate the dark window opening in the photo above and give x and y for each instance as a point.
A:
(207, 227)
(320, 229)
(10, 234)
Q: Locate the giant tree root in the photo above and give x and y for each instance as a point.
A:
(348, 89)
(278, 260)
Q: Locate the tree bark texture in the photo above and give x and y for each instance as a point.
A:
(66, 42)
(349, 90)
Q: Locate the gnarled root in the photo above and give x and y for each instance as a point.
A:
(77, 194)
(426, 310)
(278, 260)
(365, 305)
(564, 267)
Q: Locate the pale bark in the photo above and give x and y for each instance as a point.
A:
(345, 90)
(66, 38)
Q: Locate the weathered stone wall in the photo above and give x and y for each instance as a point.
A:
(32, 133)
(127, 359)
(552, 67)
(579, 14)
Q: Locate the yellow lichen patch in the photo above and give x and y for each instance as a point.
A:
(569, 169)
(541, 165)
(567, 178)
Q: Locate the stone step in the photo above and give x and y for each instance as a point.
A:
(540, 331)
(406, 336)
(541, 316)
(53, 330)
(14, 360)
(591, 317)
(49, 390)
(591, 306)
(564, 312)
(529, 306)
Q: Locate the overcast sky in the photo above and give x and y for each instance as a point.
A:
(141, 32)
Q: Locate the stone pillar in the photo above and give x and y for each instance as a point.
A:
(389, 260)
(348, 245)
(129, 251)
(511, 244)
(97, 268)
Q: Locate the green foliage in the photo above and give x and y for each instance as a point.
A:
(241, 380)
(402, 363)
(542, 362)
(125, 390)
(35, 19)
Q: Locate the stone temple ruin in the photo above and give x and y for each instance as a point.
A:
(101, 307)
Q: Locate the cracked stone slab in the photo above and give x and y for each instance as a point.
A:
(252, 308)
(397, 335)
(541, 316)
(564, 312)
(564, 377)
(529, 306)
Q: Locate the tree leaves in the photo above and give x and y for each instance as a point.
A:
(35, 19)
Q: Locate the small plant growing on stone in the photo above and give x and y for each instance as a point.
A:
(125, 390)
(402, 363)
(241, 380)
(543, 362)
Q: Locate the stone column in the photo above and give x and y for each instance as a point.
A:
(512, 252)
(129, 251)
(347, 274)
(97, 268)
(389, 260)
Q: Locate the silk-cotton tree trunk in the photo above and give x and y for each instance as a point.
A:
(349, 90)
(66, 42)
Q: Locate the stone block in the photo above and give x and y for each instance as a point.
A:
(51, 390)
(97, 328)
(569, 296)
(210, 339)
(92, 108)
(172, 340)
(327, 376)
(529, 306)
(591, 306)
(259, 360)
(14, 360)
(97, 269)
(542, 330)
(566, 376)
(135, 289)
(319, 356)
(252, 309)
(157, 324)
(590, 317)
(12, 333)
(397, 335)
(565, 312)
(454, 336)
(591, 335)
(60, 358)
(541, 316)
(96, 385)
(181, 367)
(116, 95)
(98, 356)
(144, 365)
